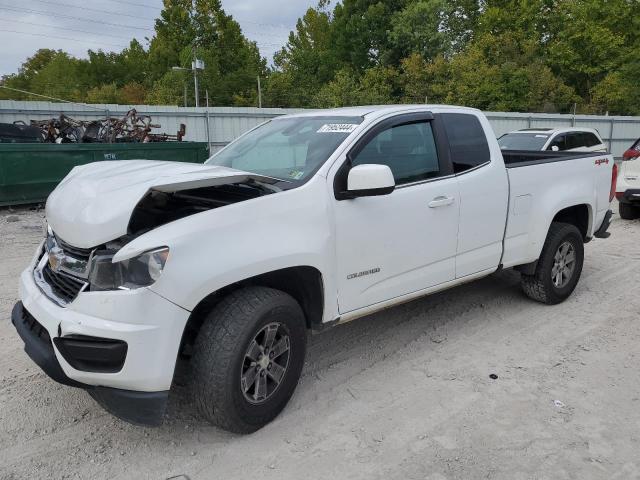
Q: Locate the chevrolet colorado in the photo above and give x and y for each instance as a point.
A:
(305, 222)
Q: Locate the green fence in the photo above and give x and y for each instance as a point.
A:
(30, 171)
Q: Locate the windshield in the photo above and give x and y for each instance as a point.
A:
(523, 141)
(289, 149)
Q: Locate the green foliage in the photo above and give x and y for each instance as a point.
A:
(514, 55)
(417, 29)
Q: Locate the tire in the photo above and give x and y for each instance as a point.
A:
(541, 285)
(221, 362)
(627, 212)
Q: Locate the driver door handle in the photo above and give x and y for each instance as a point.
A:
(441, 201)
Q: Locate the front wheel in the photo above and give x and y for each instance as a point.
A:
(248, 358)
(559, 266)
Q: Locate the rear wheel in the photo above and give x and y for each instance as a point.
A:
(627, 211)
(248, 358)
(559, 266)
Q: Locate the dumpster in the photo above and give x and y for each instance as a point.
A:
(30, 171)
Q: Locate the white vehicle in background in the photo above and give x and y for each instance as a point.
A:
(570, 139)
(628, 186)
(307, 221)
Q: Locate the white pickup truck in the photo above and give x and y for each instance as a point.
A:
(305, 222)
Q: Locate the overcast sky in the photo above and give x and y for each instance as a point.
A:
(78, 25)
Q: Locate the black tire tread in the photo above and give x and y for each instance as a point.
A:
(628, 212)
(535, 286)
(215, 346)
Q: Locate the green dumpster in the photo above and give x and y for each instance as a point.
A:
(30, 171)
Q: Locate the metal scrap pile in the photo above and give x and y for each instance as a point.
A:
(132, 128)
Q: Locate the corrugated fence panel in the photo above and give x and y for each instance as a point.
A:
(228, 123)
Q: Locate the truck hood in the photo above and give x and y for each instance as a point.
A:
(94, 203)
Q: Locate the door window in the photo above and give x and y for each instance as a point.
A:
(409, 150)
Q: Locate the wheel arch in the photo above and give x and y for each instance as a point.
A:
(304, 283)
(579, 216)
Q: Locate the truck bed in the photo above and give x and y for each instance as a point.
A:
(544, 183)
(523, 158)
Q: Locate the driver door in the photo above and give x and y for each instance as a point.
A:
(392, 245)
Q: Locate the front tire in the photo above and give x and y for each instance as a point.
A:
(559, 266)
(628, 212)
(248, 358)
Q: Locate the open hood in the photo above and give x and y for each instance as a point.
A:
(94, 203)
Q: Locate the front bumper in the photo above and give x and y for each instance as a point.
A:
(140, 408)
(150, 326)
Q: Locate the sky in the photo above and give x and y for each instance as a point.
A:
(78, 25)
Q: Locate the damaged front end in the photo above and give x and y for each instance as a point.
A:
(159, 207)
(65, 268)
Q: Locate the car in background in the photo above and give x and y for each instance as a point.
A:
(628, 185)
(553, 140)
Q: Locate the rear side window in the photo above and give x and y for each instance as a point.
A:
(467, 141)
(575, 140)
(590, 139)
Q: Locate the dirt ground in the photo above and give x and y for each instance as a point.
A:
(403, 394)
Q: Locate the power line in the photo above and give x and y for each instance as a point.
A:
(69, 17)
(49, 98)
(62, 38)
(146, 5)
(87, 9)
(281, 26)
(37, 12)
(62, 28)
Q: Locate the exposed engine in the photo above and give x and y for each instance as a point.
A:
(159, 208)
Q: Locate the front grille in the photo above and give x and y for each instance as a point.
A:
(75, 252)
(64, 286)
(33, 325)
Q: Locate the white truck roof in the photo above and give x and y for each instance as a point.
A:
(378, 110)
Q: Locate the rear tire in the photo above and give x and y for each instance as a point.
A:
(238, 384)
(627, 211)
(559, 266)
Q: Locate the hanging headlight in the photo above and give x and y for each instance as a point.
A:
(136, 272)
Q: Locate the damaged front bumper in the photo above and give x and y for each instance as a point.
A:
(120, 346)
(140, 408)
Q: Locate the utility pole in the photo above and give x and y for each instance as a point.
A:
(195, 66)
(259, 93)
(208, 131)
(195, 81)
(185, 94)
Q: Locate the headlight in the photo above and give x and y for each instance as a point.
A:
(137, 272)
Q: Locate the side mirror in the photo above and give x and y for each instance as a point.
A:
(555, 148)
(370, 180)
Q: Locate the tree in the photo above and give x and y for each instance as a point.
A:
(360, 31)
(30, 69)
(63, 77)
(305, 63)
(107, 93)
(418, 29)
(589, 39)
(203, 30)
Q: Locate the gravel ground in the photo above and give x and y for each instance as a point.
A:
(403, 394)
